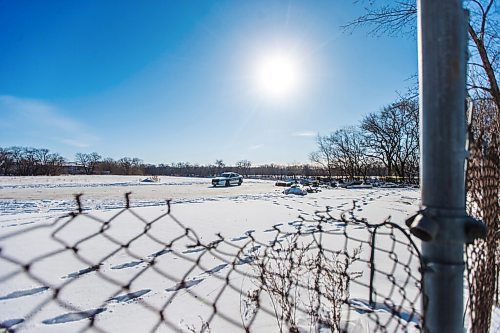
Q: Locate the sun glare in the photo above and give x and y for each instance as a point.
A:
(277, 76)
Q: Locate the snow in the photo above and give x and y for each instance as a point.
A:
(111, 278)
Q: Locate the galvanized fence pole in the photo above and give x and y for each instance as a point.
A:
(442, 220)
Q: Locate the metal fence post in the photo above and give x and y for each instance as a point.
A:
(441, 222)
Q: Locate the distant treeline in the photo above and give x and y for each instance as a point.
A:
(28, 161)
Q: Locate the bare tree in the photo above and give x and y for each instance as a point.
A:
(392, 18)
(392, 137)
(400, 17)
(324, 156)
(108, 165)
(483, 30)
(408, 148)
(29, 162)
(380, 138)
(126, 164)
(88, 161)
(16, 154)
(244, 167)
(349, 152)
(82, 159)
(54, 164)
(137, 166)
(50, 163)
(6, 161)
(220, 165)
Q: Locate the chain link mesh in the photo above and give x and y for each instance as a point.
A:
(316, 274)
(483, 194)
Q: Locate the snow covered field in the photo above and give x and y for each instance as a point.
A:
(124, 281)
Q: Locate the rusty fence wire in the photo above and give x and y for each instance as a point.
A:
(131, 271)
(483, 203)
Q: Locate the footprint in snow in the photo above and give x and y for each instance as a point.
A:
(363, 306)
(129, 296)
(10, 323)
(254, 248)
(295, 223)
(246, 260)
(73, 316)
(82, 272)
(160, 253)
(22, 293)
(200, 249)
(215, 269)
(128, 264)
(239, 238)
(185, 285)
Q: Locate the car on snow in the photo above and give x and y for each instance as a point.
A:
(227, 179)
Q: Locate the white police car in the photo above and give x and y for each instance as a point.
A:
(227, 179)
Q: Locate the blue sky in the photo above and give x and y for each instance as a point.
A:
(172, 81)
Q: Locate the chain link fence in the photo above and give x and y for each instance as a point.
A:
(483, 190)
(134, 271)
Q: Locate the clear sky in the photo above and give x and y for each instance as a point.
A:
(190, 81)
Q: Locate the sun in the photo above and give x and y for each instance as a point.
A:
(277, 75)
